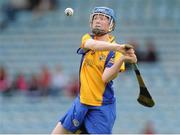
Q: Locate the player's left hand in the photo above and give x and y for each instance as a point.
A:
(125, 47)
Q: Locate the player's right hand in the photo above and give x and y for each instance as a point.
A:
(130, 56)
(130, 59)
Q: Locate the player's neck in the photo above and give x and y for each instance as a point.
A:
(103, 38)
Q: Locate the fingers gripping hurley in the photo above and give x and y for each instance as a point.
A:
(144, 95)
(127, 47)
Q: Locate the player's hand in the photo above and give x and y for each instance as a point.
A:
(130, 56)
(127, 47)
(131, 59)
(124, 48)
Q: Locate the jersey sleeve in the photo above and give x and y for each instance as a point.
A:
(81, 49)
(84, 39)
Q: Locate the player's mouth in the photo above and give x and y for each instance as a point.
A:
(97, 26)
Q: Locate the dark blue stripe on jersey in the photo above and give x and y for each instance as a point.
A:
(107, 63)
(82, 51)
(108, 96)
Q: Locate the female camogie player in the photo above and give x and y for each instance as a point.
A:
(94, 109)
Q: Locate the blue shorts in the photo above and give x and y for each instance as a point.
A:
(95, 119)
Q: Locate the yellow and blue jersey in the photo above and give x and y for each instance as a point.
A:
(93, 91)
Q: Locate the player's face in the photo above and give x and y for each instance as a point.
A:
(100, 22)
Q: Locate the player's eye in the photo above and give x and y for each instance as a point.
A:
(100, 17)
(95, 17)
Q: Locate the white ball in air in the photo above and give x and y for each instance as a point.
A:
(69, 11)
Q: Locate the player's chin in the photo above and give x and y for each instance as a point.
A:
(134, 61)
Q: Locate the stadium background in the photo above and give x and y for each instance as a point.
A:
(51, 39)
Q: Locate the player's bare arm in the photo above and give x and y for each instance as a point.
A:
(105, 46)
(112, 72)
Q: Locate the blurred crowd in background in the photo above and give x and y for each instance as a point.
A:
(11, 8)
(44, 83)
